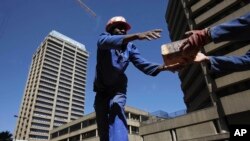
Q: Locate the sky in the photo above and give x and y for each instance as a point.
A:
(25, 23)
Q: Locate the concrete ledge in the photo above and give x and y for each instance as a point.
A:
(236, 103)
(196, 131)
(196, 117)
(222, 136)
(199, 5)
(232, 78)
(133, 137)
(214, 10)
(162, 136)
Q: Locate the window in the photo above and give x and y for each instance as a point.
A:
(135, 117)
(75, 127)
(134, 130)
(89, 134)
(63, 131)
(54, 135)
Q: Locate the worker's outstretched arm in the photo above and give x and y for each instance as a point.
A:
(108, 41)
(148, 35)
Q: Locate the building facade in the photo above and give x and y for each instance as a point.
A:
(85, 128)
(214, 102)
(55, 88)
(200, 88)
(197, 84)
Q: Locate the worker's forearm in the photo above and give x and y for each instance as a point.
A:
(130, 37)
(148, 35)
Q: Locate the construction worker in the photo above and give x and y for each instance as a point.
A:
(115, 51)
(237, 29)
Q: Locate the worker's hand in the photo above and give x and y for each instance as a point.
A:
(172, 68)
(195, 40)
(200, 57)
(150, 35)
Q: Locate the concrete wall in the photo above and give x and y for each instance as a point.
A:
(198, 125)
(161, 136)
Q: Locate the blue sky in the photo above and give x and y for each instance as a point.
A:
(25, 23)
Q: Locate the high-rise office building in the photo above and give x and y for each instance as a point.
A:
(200, 88)
(214, 102)
(55, 88)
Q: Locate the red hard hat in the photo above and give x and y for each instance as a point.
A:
(117, 20)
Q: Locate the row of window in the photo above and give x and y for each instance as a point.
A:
(40, 137)
(89, 134)
(51, 75)
(67, 48)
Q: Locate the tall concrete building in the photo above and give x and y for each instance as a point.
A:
(55, 88)
(214, 101)
(200, 88)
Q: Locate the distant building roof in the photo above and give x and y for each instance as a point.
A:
(163, 114)
(160, 113)
(65, 38)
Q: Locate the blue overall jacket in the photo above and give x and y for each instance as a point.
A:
(237, 29)
(113, 57)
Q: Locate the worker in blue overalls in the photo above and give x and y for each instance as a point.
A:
(115, 51)
(236, 29)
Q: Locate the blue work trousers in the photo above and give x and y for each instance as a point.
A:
(110, 116)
